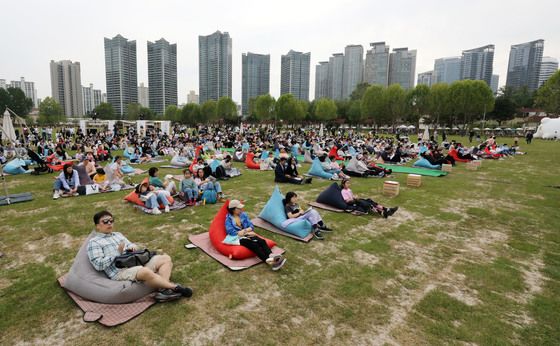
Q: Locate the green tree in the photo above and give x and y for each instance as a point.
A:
(395, 98)
(289, 109)
(252, 109)
(417, 100)
(132, 111)
(16, 100)
(172, 113)
(190, 114)
(373, 104)
(227, 109)
(208, 112)
(50, 111)
(325, 110)
(342, 107)
(504, 109)
(438, 103)
(355, 112)
(548, 95)
(264, 107)
(359, 92)
(471, 98)
(104, 111)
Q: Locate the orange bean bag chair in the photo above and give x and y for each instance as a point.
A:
(191, 167)
(454, 154)
(334, 152)
(217, 233)
(133, 197)
(250, 163)
(58, 167)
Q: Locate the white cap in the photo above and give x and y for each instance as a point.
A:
(234, 203)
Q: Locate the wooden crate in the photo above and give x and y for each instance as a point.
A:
(447, 168)
(414, 180)
(391, 188)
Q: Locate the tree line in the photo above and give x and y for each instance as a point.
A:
(461, 102)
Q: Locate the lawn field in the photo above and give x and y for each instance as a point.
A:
(472, 258)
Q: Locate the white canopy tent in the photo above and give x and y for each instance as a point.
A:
(8, 132)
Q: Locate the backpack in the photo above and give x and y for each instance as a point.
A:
(210, 196)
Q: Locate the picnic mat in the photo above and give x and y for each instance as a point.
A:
(137, 171)
(177, 205)
(333, 209)
(202, 241)
(270, 227)
(171, 166)
(414, 170)
(109, 315)
(16, 198)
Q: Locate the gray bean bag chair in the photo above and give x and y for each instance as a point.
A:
(84, 177)
(332, 196)
(93, 285)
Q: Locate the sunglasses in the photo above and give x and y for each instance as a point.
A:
(108, 221)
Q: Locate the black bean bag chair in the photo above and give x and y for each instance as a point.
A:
(332, 196)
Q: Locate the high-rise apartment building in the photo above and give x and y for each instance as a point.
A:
(426, 78)
(376, 69)
(121, 73)
(478, 64)
(549, 66)
(144, 95)
(214, 60)
(66, 86)
(336, 76)
(294, 74)
(447, 70)
(255, 78)
(402, 67)
(524, 65)
(353, 69)
(162, 75)
(322, 80)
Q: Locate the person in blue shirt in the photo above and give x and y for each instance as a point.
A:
(67, 183)
(240, 231)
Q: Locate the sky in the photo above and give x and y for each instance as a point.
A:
(36, 32)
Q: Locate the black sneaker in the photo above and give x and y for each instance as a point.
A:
(324, 228)
(279, 264)
(385, 213)
(391, 211)
(167, 295)
(185, 291)
(318, 235)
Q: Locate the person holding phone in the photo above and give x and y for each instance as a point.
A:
(240, 231)
(294, 213)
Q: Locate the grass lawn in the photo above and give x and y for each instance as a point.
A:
(470, 258)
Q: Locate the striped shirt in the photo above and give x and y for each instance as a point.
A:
(103, 248)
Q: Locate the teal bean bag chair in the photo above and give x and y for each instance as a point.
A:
(277, 153)
(318, 171)
(425, 164)
(15, 167)
(127, 169)
(264, 155)
(274, 213)
(213, 165)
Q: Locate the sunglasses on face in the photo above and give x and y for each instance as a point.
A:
(108, 221)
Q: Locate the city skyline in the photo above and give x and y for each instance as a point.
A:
(451, 31)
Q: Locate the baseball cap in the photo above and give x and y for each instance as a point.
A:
(234, 203)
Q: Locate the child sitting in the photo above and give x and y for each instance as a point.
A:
(189, 189)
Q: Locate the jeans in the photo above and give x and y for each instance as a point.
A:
(190, 193)
(155, 200)
(58, 185)
(212, 186)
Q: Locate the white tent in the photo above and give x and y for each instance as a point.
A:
(8, 131)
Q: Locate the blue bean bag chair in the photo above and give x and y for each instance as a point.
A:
(127, 153)
(277, 153)
(15, 167)
(318, 171)
(274, 213)
(245, 147)
(127, 169)
(352, 151)
(423, 163)
(264, 154)
(332, 196)
(295, 150)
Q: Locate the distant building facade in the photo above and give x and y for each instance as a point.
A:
(426, 78)
(478, 64)
(402, 67)
(215, 70)
(447, 70)
(66, 86)
(294, 74)
(376, 69)
(162, 75)
(549, 66)
(121, 73)
(255, 78)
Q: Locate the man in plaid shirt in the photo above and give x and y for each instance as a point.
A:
(106, 245)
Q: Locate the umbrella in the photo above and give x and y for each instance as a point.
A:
(412, 127)
(487, 129)
(519, 129)
(402, 127)
(454, 128)
(509, 129)
(497, 129)
(476, 129)
(8, 127)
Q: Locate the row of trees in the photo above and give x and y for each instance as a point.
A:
(461, 102)
(16, 100)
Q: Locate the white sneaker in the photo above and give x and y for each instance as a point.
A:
(56, 195)
(156, 211)
(167, 209)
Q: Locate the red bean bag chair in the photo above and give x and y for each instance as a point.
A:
(250, 163)
(488, 152)
(454, 154)
(217, 233)
(197, 152)
(58, 167)
(191, 167)
(334, 152)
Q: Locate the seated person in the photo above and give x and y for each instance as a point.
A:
(294, 213)
(189, 189)
(389, 155)
(167, 185)
(281, 176)
(227, 164)
(100, 178)
(114, 172)
(208, 182)
(268, 163)
(365, 206)
(331, 167)
(358, 168)
(151, 197)
(91, 170)
(67, 182)
(106, 245)
(291, 170)
(240, 230)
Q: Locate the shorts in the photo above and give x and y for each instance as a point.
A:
(129, 274)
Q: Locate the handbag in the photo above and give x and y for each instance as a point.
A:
(131, 259)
